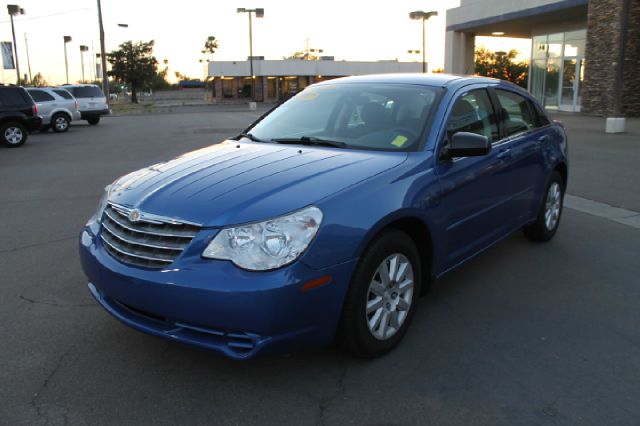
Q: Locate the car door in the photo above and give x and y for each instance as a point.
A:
(526, 138)
(473, 206)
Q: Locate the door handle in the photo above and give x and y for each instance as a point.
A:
(542, 139)
(504, 154)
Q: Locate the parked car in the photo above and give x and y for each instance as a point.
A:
(57, 107)
(92, 102)
(18, 116)
(329, 216)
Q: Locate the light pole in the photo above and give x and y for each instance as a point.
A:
(259, 14)
(66, 39)
(423, 16)
(103, 56)
(26, 45)
(83, 49)
(14, 9)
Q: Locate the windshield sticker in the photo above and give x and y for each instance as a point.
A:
(308, 96)
(399, 141)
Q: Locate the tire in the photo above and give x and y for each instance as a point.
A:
(549, 213)
(60, 122)
(13, 134)
(93, 120)
(372, 334)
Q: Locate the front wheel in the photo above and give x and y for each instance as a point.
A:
(60, 123)
(13, 134)
(548, 219)
(93, 120)
(379, 305)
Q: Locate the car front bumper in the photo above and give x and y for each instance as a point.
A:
(215, 305)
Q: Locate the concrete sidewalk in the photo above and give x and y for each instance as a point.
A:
(603, 167)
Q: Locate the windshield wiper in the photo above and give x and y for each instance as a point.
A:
(248, 136)
(310, 140)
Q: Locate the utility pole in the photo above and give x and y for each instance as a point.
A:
(26, 43)
(103, 56)
(83, 49)
(14, 9)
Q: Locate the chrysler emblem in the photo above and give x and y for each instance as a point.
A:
(134, 215)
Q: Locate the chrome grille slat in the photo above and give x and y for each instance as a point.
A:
(125, 239)
(129, 226)
(150, 243)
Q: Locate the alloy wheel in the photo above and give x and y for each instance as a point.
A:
(61, 123)
(389, 296)
(13, 135)
(552, 206)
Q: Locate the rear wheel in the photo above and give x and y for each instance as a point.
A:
(548, 219)
(60, 123)
(93, 120)
(13, 134)
(379, 305)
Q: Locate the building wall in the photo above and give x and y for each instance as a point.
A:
(603, 36)
(472, 10)
(298, 67)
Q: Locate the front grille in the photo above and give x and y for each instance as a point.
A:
(150, 241)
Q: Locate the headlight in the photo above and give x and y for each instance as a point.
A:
(269, 244)
(102, 205)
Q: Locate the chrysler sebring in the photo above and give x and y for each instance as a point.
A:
(329, 216)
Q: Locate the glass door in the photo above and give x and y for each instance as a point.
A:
(570, 87)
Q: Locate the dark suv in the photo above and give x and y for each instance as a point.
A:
(18, 116)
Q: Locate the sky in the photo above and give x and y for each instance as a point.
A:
(350, 30)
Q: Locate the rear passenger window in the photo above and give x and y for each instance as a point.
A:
(516, 112)
(63, 93)
(12, 96)
(41, 96)
(473, 113)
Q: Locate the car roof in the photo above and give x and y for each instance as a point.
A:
(438, 80)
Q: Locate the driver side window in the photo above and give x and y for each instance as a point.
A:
(472, 112)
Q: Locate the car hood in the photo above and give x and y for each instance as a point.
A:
(234, 182)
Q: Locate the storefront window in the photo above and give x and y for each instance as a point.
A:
(556, 69)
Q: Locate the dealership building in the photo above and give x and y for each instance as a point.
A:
(574, 48)
(277, 79)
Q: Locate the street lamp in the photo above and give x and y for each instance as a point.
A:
(67, 39)
(13, 10)
(83, 49)
(423, 16)
(259, 14)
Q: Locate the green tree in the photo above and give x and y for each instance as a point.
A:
(210, 46)
(501, 65)
(160, 81)
(134, 64)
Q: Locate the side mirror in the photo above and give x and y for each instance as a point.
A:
(465, 144)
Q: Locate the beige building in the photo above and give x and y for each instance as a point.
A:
(276, 79)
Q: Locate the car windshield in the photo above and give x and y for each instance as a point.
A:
(87, 92)
(352, 115)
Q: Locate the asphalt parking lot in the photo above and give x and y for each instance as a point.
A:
(524, 334)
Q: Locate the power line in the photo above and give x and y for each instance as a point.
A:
(47, 16)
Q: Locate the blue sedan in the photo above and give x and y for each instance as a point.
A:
(328, 217)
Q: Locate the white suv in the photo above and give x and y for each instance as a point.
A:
(92, 101)
(57, 107)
